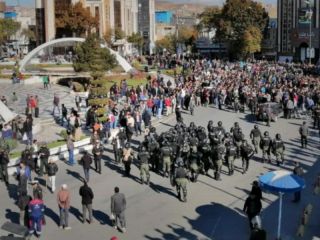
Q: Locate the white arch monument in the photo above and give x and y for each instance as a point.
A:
(123, 62)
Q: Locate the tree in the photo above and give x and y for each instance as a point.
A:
(137, 40)
(210, 18)
(8, 28)
(28, 34)
(75, 19)
(119, 34)
(108, 36)
(91, 57)
(236, 17)
(251, 41)
(187, 35)
(168, 43)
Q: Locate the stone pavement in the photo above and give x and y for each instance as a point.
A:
(213, 210)
(45, 97)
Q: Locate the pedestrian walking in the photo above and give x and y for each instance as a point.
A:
(304, 132)
(118, 206)
(52, 170)
(56, 104)
(86, 161)
(127, 158)
(87, 196)
(63, 199)
(70, 146)
(97, 152)
(44, 154)
(27, 129)
(4, 161)
(298, 171)
(252, 207)
(143, 158)
(23, 202)
(37, 190)
(36, 216)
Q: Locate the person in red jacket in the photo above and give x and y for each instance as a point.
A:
(36, 216)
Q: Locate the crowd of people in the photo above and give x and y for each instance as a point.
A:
(183, 152)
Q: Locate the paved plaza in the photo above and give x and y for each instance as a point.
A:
(213, 210)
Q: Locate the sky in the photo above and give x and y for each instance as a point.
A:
(209, 2)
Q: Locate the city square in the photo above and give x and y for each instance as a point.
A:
(159, 120)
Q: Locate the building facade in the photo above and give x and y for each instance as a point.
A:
(298, 30)
(164, 17)
(146, 24)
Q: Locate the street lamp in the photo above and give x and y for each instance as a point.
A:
(310, 13)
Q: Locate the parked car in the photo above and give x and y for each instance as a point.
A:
(275, 109)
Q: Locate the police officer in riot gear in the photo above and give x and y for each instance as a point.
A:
(265, 145)
(206, 156)
(220, 129)
(4, 161)
(218, 157)
(194, 162)
(231, 152)
(143, 158)
(278, 149)
(180, 178)
(238, 137)
(255, 136)
(166, 153)
(246, 153)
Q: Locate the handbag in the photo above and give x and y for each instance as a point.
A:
(24, 137)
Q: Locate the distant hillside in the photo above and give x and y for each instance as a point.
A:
(191, 7)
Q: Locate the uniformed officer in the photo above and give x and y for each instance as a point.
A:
(194, 142)
(4, 161)
(238, 137)
(206, 156)
(143, 157)
(194, 162)
(255, 136)
(278, 149)
(218, 156)
(220, 129)
(153, 149)
(181, 181)
(231, 152)
(265, 145)
(304, 132)
(246, 154)
(97, 152)
(166, 154)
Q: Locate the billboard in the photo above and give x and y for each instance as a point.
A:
(305, 16)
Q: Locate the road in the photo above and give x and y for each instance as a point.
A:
(213, 210)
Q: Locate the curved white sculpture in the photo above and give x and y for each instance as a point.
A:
(123, 62)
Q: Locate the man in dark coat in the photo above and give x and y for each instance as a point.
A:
(118, 206)
(86, 161)
(252, 207)
(86, 200)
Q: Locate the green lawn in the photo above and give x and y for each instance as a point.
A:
(135, 81)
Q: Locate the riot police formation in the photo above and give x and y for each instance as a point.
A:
(183, 153)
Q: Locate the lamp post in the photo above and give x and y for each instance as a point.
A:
(310, 13)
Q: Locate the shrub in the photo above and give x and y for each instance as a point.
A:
(8, 144)
(98, 102)
(99, 91)
(63, 134)
(100, 112)
(78, 87)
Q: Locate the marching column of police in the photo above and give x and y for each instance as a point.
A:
(182, 153)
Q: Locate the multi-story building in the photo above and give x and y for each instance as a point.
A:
(164, 17)
(47, 12)
(2, 9)
(269, 42)
(298, 33)
(146, 24)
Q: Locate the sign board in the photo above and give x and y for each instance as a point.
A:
(305, 16)
(311, 53)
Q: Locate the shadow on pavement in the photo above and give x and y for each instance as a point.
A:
(215, 221)
(74, 174)
(51, 214)
(101, 217)
(12, 216)
(75, 212)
